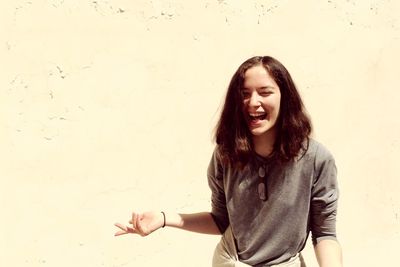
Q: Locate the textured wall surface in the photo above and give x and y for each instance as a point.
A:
(108, 107)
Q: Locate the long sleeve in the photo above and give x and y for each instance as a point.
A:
(218, 200)
(324, 197)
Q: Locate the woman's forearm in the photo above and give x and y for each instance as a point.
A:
(328, 253)
(201, 222)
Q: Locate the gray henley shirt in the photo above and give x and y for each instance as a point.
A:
(302, 196)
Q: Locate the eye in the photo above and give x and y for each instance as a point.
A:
(245, 94)
(265, 93)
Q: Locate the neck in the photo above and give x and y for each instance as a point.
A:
(264, 144)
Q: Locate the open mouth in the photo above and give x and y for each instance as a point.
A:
(257, 117)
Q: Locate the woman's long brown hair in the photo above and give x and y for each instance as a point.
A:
(232, 135)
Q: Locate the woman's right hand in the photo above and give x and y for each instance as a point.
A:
(141, 223)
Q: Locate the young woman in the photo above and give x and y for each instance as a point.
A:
(271, 183)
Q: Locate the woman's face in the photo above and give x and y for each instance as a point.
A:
(261, 99)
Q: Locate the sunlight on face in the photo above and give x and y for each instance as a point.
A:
(261, 99)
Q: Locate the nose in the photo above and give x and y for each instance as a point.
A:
(254, 100)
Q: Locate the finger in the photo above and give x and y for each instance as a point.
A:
(139, 228)
(124, 229)
(134, 219)
(131, 230)
(121, 226)
(120, 233)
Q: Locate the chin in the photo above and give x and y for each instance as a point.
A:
(262, 131)
(257, 132)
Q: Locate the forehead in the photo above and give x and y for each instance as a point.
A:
(258, 76)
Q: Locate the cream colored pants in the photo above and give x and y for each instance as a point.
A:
(225, 254)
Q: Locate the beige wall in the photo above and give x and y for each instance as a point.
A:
(108, 107)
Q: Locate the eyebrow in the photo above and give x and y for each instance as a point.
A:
(261, 88)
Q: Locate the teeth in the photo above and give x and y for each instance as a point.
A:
(256, 114)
